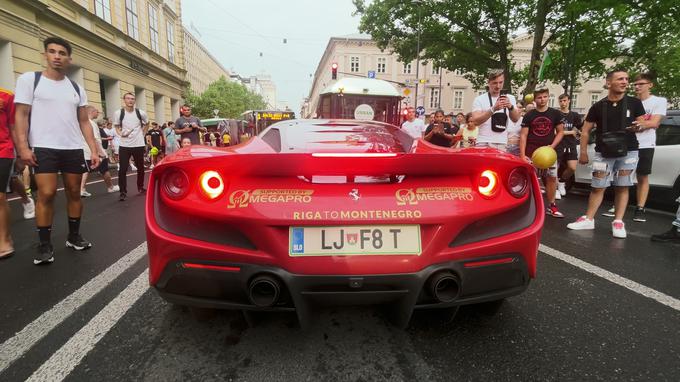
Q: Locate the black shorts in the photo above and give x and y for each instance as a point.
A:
(645, 158)
(568, 152)
(52, 161)
(6, 171)
(103, 166)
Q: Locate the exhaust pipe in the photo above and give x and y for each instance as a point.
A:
(264, 291)
(444, 286)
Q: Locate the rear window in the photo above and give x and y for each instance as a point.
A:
(668, 132)
(273, 139)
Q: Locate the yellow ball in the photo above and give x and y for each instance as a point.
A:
(154, 151)
(544, 157)
(529, 98)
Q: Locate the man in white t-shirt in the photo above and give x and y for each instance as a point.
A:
(413, 126)
(54, 107)
(655, 111)
(494, 112)
(130, 124)
(103, 168)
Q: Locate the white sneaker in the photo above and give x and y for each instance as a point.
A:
(582, 223)
(558, 196)
(610, 213)
(619, 229)
(84, 194)
(113, 189)
(29, 209)
(562, 188)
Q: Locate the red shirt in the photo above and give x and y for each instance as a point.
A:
(6, 120)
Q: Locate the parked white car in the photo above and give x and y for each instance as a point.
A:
(664, 180)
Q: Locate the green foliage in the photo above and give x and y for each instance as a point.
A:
(585, 37)
(230, 98)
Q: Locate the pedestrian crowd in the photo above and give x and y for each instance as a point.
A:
(67, 137)
(624, 128)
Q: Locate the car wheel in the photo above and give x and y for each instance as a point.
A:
(489, 308)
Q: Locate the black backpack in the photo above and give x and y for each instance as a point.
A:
(122, 115)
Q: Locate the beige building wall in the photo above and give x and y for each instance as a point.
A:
(446, 89)
(202, 68)
(107, 60)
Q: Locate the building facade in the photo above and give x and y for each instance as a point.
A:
(119, 46)
(201, 67)
(263, 85)
(357, 55)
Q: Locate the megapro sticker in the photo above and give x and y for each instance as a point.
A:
(407, 196)
(243, 198)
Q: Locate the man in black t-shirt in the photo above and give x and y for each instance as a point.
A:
(154, 138)
(542, 127)
(441, 133)
(189, 126)
(621, 113)
(566, 150)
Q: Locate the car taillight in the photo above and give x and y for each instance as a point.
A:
(518, 182)
(488, 183)
(211, 184)
(176, 184)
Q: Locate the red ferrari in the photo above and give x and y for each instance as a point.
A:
(341, 212)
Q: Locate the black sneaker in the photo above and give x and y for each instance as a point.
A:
(671, 236)
(77, 242)
(122, 197)
(609, 213)
(141, 190)
(45, 254)
(639, 215)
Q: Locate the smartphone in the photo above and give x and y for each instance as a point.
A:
(504, 92)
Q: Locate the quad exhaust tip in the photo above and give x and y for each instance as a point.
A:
(444, 286)
(264, 291)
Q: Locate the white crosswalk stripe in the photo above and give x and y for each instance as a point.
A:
(20, 343)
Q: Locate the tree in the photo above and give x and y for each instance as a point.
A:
(585, 37)
(230, 98)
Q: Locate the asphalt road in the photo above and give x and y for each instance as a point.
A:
(600, 309)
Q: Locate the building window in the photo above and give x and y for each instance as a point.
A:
(574, 100)
(382, 65)
(354, 64)
(594, 98)
(551, 100)
(170, 30)
(435, 70)
(102, 8)
(457, 72)
(480, 92)
(132, 21)
(434, 97)
(457, 99)
(407, 68)
(153, 28)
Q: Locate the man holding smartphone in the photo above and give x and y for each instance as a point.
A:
(441, 133)
(494, 111)
(188, 125)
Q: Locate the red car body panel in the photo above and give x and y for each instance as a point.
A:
(266, 192)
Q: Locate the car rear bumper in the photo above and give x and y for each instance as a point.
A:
(228, 286)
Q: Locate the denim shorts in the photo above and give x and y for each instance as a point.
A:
(611, 166)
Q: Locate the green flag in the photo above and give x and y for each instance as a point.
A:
(544, 65)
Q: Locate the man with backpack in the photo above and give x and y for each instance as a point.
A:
(54, 108)
(130, 124)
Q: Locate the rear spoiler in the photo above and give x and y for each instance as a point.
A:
(421, 161)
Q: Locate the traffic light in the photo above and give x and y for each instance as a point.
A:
(334, 71)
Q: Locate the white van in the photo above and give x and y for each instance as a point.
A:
(664, 181)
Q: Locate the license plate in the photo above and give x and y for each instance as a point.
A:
(355, 240)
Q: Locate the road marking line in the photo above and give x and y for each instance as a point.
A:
(613, 277)
(87, 184)
(17, 346)
(64, 360)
